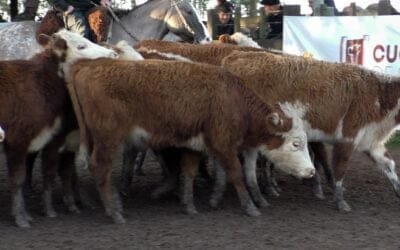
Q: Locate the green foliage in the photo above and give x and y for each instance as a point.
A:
(394, 141)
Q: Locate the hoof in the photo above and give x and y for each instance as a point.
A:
(191, 211)
(74, 209)
(271, 191)
(319, 195)
(118, 218)
(214, 203)
(155, 195)
(28, 217)
(125, 192)
(252, 211)
(262, 203)
(22, 222)
(342, 206)
(51, 214)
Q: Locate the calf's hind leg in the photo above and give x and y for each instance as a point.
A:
(385, 162)
(250, 165)
(230, 162)
(189, 163)
(16, 174)
(100, 166)
(341, 156)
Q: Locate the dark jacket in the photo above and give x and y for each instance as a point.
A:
(227, 28)
(275, 22)
(78, 4)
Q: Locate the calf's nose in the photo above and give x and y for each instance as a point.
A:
(309, 172)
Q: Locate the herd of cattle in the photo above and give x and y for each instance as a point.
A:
(229, 104)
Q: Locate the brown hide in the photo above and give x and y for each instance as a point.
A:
(32, 97)
(99, 23)
(49, 25)
(332, 91)
(144, 94)
(30, 100)
(206, 53)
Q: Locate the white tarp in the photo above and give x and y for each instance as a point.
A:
(371, 41)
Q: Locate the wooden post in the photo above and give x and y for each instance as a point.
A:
(353, 9)
(212, 23)
(263, 25)
(13, 9)
(291, 10)
(237, 17)
(327, 11)
(384, 7)
(253, 8)
(316, 6)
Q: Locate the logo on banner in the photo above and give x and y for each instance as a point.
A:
(352, 50)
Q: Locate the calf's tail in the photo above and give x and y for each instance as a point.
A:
(82, 157)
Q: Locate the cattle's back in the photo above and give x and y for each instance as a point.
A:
(190, 93)
(17, 40)
(205, 53)
(328, 91)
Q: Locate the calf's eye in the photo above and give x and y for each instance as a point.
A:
(81, 46)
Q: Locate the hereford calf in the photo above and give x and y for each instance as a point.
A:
(352, 107)
(211, 54)
(34, 107)
(137, 101)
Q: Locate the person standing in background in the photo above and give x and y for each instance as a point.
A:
(226, 23)
(74, 12)
(274, 18)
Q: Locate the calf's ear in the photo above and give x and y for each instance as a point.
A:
(43, 39)
(275, 119)
(59, 43)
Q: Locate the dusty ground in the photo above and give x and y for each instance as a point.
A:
(295, 220)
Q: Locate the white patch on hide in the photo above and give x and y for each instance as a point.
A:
(169, 55)
(72, 142)
(128, 52)
(377, 104)
(45, 136)
(196, 143)
(376, 132)
(139, 137)
(296, 109)
(243, 40)
(2, 134)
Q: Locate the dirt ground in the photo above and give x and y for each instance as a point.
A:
(295, 220)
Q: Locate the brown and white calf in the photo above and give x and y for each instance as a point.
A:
(354, 108)
(34, 107)
(211, 54)
(161, 104)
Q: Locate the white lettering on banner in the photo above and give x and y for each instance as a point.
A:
(370, 41)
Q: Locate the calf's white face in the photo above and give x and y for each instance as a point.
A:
(292, 155)
(79, 47)
(70, 47)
